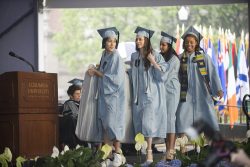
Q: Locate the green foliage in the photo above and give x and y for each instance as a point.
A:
(244, 145)
(19, 161)
(82, 156)
(192, 157)
(5, 157)
(200, 141)
(78, 44)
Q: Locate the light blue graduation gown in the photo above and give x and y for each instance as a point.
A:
(172, 85)
(199, 104)
(149, 100)
(111, 97)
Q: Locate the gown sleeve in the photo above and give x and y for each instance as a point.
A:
(113, 78)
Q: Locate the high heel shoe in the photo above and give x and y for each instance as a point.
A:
(149, 158)
(170, 155)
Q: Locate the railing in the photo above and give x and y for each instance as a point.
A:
(223, 115)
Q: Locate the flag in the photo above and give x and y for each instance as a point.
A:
(178, 41)
(242, 82)
(222, 76)
(225, 49)
(211, 52)
(231, 91)
(234, 57)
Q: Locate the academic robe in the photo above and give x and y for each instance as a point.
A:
(111, 96)
(71, 107)
(199, 104)
(172, 86)
(149, 99)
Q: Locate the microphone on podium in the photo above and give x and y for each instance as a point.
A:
(22, 59)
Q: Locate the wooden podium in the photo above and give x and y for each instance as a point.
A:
(28, 113)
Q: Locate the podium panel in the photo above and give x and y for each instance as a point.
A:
(28, 113)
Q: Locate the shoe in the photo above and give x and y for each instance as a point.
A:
(147, 163)
(149, 156)
(119, 160)
(170, 155)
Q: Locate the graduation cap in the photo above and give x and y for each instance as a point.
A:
(140, 31)
(76, 81)
(108, 32)
(192, 31)
(167, 38)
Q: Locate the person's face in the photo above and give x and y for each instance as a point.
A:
(77, 95)
(164, 47)
(190, 44)
(110, 44)
(139, 41)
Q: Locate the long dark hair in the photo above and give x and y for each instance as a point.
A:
(168, 55)
(147, 48)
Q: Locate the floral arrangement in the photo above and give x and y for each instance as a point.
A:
(85, 157)
(80, 156)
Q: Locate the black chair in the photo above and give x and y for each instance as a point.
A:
(246, 110)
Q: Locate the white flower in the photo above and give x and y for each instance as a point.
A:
(77, 146)
(138, 146)
(141, 144)
(144, 147)
(7, 154)
(36, 158)
(66, 148)
(55, 152)
(198, 149)
(182, 141)
(248, 134)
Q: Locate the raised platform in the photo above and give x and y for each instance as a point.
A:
(237, 133)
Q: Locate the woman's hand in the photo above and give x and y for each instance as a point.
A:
(91, 71)
(151, 58)
(220, 94)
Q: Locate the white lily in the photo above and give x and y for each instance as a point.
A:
(55, 152)
(66, 148)
(248, 134)
(141, 144)
(77, 146)
(198, 149)
(138, 146)
(8, 154)
(182, 141)
(144, 147)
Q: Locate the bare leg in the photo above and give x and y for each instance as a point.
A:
(117, 146)
(149, 150)
(170, 146)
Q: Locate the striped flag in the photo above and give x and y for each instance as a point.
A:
(234, 57)
(242, 82)
(231, 90)
(222, 76)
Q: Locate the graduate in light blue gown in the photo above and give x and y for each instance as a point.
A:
(110, 93)
(199, 83)
(149, 100)
(172, 86)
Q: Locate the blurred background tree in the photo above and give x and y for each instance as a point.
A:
(78, 44)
